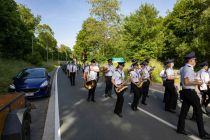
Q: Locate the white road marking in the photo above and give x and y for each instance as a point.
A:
(57, 118)
(164, 122)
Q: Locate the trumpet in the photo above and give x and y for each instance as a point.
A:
(123, 86)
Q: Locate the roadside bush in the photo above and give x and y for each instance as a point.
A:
(35, 58)
(156, 73)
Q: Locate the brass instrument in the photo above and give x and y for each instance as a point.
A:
(103, 69)
(123, 86)
(141, 81)
(89, 84)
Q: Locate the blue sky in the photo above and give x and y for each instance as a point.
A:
(66, 16)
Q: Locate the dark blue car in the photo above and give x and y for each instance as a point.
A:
(34, 82)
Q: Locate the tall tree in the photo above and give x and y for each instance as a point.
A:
(142, 33)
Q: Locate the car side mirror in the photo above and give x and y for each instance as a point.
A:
(48, 76)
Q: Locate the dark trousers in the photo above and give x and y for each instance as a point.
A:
(119, 103)
(91, 93)
(108, 89)
(72, 78)
(145, 90)
(190, 97)
(170, 95)
(137, 95)
(204, 94)
(131, 89)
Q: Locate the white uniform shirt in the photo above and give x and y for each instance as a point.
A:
(92, 75)
(118, 77)
(188, 72)
(163, 74)
(204, 77)
(146, 73)
(72, 68)
(135, 75)
(111, 70)
(169, 72)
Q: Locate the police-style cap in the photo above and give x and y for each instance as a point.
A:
(205, 63)
(121, 63)
(109, 59)
(143, 63)
(93, 61)
(168, 61)
(190, 56)
(134, 61)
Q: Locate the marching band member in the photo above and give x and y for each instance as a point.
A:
(72, 69)
(135, 79)
(90, 74)
(117, 80)
(163, 76)
(108, 78)
(190, 97)
(204, 77)
(131, 69)
(170, 89)
(146, 78)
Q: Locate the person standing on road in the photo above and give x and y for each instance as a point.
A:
(135, 80)
(72, 69)
(108, 78)
(118, 81)
(170, 89)
(131, 69)
(145, 86)
(190, 97)
(90, 74)
(204, 89)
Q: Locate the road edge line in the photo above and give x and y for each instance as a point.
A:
(57, 117)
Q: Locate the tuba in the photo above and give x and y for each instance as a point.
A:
(89, 84)
(103, 69)
(123, 86)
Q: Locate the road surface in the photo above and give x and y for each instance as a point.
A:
(82, 120)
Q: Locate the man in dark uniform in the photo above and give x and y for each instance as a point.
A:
(190, 97)
(131, 68)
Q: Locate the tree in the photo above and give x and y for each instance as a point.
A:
(142, 33)
(64, 53)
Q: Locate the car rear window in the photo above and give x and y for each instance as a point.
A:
(32, 73)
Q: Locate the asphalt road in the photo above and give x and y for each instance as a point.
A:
(82, 120)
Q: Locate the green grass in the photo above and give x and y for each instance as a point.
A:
(10, 68)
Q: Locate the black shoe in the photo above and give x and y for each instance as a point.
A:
(182, 132)
(93, 101)
(132, 108)
(120, 115)
(106, 95)
(143, 103)
(88, 99)
(205, 136)
(169, 110)
(110, 96)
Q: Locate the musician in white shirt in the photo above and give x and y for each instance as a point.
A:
(90, 74)
(108, 78)
(72, 69)
(204, 77)
(136, 79)
(117, 80)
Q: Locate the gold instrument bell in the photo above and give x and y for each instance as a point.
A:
(89, 84)
(103, 69)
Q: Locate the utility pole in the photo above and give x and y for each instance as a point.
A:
(32, 45)
(47, 49)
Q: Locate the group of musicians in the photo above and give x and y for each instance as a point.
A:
(140, 76)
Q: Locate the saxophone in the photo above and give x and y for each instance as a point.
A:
(123, 86)
(141, 81)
